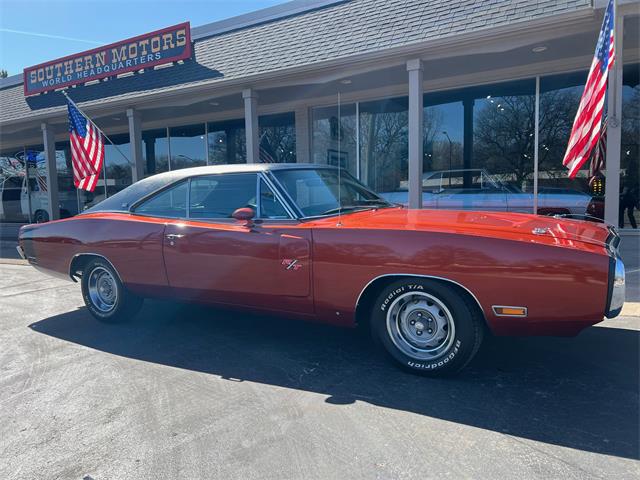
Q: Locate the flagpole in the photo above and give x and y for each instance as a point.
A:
(536, 139)
(104, 176)
(97, 127)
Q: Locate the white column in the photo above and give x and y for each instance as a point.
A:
(303, 145)
(252, 131)
(614, 137)
(416, 120)
(49, 142)
(135, 142)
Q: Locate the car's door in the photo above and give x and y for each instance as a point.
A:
(210, 256)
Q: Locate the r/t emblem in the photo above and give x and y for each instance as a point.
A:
(291, 264)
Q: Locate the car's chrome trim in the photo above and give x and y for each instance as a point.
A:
(421, 276)
(146, 197)
(21, 252)
(276, 191)
(188, 206)
(71, 274)
(581, 216)
(613, 241)
(496, 307)
(616, 287)
(285, 195)
(259, 176)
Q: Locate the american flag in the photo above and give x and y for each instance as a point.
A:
(87, 149)
(265, 156)
(588, 121)
(265, 150)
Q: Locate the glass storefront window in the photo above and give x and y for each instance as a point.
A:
(226, 142)
(118, 173)
(277, 138)
(13, 202)
(117, 163)
(478, 149)
(443, 133)
(334, 141)
(557, 193)
(187, 146)
(384, 144)
(155, 151)
(67, 193)
(503, 147)
(36, 188)
(629, 213)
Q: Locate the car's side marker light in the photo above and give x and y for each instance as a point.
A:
(503, 311)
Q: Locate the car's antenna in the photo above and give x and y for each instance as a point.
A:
(339, 224)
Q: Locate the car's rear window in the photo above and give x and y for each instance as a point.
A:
(122, 201)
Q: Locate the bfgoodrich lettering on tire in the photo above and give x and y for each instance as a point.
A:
(426, 326)
(104, 294)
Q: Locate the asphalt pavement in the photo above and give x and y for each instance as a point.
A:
(189, 392)
(9, 240)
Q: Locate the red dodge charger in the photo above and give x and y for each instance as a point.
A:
(311, 242)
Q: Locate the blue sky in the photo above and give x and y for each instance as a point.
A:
(34, 31)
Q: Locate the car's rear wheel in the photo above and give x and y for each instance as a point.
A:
(426, 326)
(104, 294)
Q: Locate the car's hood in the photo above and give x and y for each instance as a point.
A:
(516, 226)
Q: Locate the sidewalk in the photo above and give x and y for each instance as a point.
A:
(630, 252)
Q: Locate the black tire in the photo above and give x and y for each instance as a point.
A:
(41, 216)
(99, 274)
(451, 329)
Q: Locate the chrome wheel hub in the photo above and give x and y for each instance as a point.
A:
(420, 325)
(103, 291)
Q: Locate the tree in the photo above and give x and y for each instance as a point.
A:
(3, 73)
(504, 134)
(384, 144)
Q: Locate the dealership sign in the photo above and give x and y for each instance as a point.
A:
(155, 48)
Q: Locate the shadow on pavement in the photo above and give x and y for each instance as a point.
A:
(580, 393)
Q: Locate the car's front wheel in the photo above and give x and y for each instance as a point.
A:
(426, 326)
(104, 294)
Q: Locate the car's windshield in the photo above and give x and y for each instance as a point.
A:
(315, 191)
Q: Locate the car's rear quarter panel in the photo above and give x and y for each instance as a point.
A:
(132, 245)
(564, 289)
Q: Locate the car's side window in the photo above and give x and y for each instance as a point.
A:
(218, 196)
(170, 203)
(270, 206)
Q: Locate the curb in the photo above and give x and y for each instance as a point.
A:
(630, 309)
(13, 261)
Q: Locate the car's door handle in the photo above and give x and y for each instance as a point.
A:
(172, 237)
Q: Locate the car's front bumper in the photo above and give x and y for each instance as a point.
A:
(616, 291)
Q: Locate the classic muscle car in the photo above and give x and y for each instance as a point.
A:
(476, 189)
(311, 242)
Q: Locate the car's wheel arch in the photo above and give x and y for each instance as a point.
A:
(80, 261)
(373, 288)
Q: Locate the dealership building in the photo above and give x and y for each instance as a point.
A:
(445, 104)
